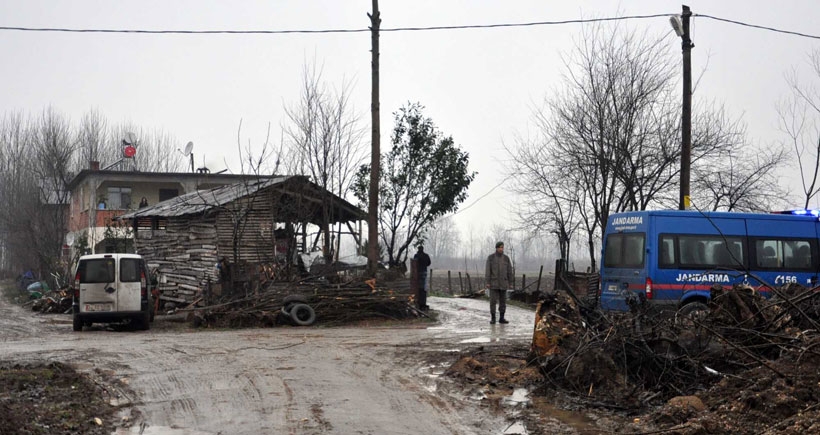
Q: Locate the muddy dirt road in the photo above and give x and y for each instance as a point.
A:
(350, 380)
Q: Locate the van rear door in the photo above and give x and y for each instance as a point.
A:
(128, 293)
(624, 269)
(98, 285)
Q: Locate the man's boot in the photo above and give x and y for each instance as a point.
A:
(492, 318)
(502, 319)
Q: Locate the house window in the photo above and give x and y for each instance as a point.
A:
(119, 198)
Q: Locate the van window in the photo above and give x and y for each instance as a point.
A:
(624, 250)
(97, 271)
(705, 252)
(783, 254)
(667, 251)
(129, 270)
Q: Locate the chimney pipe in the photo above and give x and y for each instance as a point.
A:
(95, 165)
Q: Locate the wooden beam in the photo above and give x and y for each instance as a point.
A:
(354, 234)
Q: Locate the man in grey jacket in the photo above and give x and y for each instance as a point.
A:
(498, 273)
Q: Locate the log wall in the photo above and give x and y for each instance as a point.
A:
(185, 254)
(254, 232)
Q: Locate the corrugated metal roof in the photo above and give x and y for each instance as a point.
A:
(201, 201)
(204, 200)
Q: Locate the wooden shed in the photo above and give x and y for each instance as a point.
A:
(214, 236)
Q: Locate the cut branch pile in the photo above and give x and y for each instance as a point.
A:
(628, 361)
(333, 303)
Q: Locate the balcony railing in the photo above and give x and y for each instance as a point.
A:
(103, 218)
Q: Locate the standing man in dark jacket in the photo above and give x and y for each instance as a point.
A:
(498, 273)
(422, 263)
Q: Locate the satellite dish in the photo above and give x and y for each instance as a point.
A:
(188, 148)
(130, 138)
(69, 239)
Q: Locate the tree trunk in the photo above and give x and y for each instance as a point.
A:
(591, 241)
(375, 156)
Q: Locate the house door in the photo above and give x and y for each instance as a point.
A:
(166, 194)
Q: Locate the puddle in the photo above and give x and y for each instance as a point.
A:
(159, 430)
(518, 397)
(431, 374)
(477, 340)
(578, 420)
(516, 428)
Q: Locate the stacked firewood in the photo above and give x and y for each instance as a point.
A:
(333, 304)
(184, 258)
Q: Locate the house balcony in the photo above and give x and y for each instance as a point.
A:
(102, 218)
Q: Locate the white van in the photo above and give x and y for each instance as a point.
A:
(112, 288)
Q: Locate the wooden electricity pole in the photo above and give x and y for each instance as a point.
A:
(686, 115)
(375, 153)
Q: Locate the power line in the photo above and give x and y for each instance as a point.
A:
(756, 26)
(481, 197)
(319, 31)
(181, 32)
(530, 24)
(395, 29)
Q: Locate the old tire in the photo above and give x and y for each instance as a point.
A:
(692, 310)
(289, 301)
(302, 314)
(694, 338)
(77, 324)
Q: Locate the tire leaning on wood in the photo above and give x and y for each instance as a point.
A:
(290, 300)
(302, 314)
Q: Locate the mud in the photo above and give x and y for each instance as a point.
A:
(51, 398)
(280, 380)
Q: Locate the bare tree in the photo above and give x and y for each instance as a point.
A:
(96, 140)
(324, 141)
(609, 138)
(36, 162)
(740, 181)
(554, 200)
(17, 188)
(443, 239)
(91, 140)
(799, 117)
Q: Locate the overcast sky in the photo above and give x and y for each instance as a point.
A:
(480, 86)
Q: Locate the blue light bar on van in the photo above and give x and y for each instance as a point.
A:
(800, 212)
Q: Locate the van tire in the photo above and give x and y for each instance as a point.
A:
(77, 323)
(302, 314)
(145, 321)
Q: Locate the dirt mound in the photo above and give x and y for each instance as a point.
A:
(755, 401)
(496, 370)
(51, 398)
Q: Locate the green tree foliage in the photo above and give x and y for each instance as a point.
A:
(423, 177)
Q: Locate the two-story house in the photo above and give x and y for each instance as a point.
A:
(97, 196)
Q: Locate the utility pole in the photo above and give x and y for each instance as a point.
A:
(686, 121)
(375, 153)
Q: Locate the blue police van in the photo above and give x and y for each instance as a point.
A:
(674, 257)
